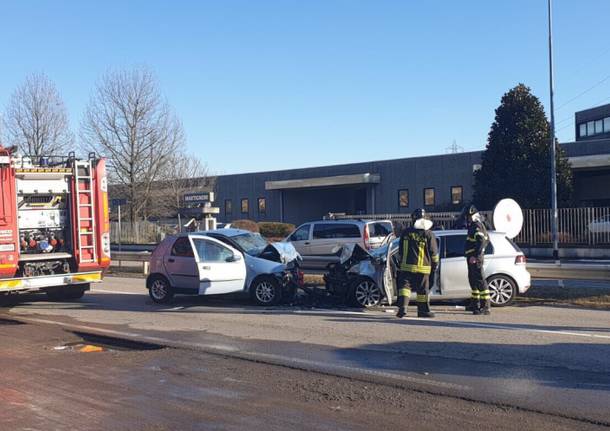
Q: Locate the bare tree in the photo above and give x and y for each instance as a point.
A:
(36, 120)
(129, 122)
(185, 173)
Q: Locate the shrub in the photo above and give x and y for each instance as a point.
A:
(275, 229)
(250, 225)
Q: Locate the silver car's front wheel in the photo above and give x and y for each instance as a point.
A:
(366, 293)
(266, 291)
(502, 290)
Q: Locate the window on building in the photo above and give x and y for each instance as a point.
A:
(582, 130)
(599, 126)
(228, 207)
(244, 206)
(262, 206)
(607, 125)
(429, 196)
(403, 198)
(457, 195)
(591, 128)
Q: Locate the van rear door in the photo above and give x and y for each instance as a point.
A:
(379, 232)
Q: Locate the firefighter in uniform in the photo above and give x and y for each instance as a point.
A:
(418, 253)
(474, 250)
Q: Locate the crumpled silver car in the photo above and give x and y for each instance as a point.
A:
(364, 279)
(224, 261)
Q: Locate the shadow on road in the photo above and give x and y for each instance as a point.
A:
(504, 364)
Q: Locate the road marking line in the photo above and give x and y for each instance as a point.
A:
(361, 313)
(512, 328)
(120, 292)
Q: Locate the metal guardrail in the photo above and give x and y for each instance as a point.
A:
(118, 257)
(569, 271)
(562, 271)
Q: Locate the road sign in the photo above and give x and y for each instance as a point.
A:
(118, 202)
(198, 197)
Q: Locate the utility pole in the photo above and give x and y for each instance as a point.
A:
(554, 217)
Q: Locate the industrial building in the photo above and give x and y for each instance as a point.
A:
(437, 183)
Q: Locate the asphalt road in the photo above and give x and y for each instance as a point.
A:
(545, 360)
(48, 383)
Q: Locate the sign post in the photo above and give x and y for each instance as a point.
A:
(118, 203)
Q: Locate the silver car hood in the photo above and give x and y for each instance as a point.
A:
(286, 252)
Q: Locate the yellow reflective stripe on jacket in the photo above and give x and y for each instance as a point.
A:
(405, 252)
(416, 268)
(436, 258)
(420, 255)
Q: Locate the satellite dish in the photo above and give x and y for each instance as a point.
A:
(508, 217)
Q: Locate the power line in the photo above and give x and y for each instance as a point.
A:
(607, 77)
(597, 57)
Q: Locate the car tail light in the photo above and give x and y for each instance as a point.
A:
(366, 237)
(520, 260)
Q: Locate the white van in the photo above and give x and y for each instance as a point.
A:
(319, 241)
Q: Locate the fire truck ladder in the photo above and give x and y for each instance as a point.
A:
(85, 219)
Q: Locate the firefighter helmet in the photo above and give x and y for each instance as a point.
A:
(469, 211)
(418, 213)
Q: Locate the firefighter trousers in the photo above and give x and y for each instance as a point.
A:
(409, 281)
(478, 285)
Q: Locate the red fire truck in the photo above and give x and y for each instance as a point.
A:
(54, 226)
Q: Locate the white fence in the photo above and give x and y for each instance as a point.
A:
(576, 227)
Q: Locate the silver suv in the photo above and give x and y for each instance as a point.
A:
(319, 241)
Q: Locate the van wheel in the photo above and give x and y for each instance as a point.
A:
(266, 291)
(365, 293)
(159, 290)
(502, 290)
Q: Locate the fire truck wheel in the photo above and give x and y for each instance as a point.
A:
(160, 290)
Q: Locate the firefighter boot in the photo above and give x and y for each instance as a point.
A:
(485, 306)
(423, 307)
(476, 307)
(471, 304)
(475, 303)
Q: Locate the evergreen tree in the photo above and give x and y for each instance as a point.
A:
(517, 160)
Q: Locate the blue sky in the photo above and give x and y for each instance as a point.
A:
(293, 83)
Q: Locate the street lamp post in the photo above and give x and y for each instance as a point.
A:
(554, 217)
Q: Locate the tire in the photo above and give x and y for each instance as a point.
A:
(159, 290)
(66, 293)
(502, 290)
(365, 293)
(266, 291)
